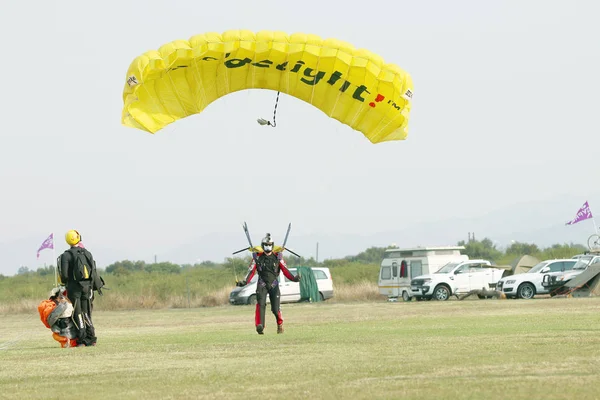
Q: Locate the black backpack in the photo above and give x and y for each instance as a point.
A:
(82, 267)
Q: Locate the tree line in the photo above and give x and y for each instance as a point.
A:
(484, 248)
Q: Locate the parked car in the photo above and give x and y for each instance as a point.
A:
(455, 278)
(289, 290)
(554, 283)
(527, 285)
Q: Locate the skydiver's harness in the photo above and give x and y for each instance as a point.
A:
(268, 269)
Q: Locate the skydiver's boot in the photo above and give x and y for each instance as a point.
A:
(259, 329)
(81, 331)
(280, 328)
(90, 331)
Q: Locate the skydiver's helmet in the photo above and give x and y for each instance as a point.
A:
(267, 243)
(72, 237)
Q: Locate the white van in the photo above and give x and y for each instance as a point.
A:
(289, 290)
(399, 266)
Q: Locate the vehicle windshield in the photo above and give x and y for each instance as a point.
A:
(446, 269)
(538, 267)
(583, 262)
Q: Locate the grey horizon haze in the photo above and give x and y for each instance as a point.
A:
(502, 133)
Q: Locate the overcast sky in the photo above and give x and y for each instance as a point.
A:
(505, 110)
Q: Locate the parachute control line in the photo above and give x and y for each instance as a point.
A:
(264, 121)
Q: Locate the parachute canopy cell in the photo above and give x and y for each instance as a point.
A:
(353, 86)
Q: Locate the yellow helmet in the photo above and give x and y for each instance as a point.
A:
(73, 237)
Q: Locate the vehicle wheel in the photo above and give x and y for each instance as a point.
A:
(526, 291)
(441, 293)
(405, 296)
(321, 296)
(252, 299)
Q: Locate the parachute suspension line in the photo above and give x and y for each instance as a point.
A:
(13, 342)
(264, 121)
(275, 109)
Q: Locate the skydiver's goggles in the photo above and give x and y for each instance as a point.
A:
(267, 246)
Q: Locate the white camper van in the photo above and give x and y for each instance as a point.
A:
(399, 266)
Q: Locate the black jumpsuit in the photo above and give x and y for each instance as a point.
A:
(80, 294)
(268, 267)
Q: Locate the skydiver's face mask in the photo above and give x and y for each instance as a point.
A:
(268, 247)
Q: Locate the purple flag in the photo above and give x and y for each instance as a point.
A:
(48, 244)
(583, 213)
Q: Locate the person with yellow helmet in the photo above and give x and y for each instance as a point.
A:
(78, 273)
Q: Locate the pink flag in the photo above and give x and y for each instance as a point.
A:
(47, 244)
(583, 213)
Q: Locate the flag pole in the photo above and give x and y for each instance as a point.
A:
(593, 219)
(55, 262)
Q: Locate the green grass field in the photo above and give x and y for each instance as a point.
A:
(472, 349)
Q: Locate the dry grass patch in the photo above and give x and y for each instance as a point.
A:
(356, 292)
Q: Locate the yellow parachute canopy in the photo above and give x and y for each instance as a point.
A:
(183, 77)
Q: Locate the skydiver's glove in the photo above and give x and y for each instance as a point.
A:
(297, 278)
(240, 283)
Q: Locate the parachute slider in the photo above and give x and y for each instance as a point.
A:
(258, 249)
(263, 122)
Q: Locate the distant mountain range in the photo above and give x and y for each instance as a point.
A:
(541, 222)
